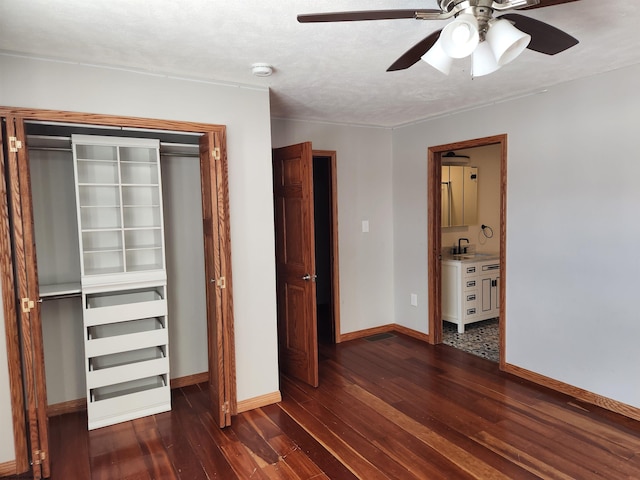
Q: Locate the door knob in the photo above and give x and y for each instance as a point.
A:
(308, 277)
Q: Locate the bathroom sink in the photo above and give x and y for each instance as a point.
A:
(474, 256)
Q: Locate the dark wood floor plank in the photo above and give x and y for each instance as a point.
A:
(351, 449)
(185, 462)
(154, 454)
(69, 439)
(289, 454)
(316, 453)
(393, 408)
(205, 449)
(374, 422)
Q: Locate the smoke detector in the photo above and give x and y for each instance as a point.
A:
(261, 69)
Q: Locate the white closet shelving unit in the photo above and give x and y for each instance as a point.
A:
(123, 277)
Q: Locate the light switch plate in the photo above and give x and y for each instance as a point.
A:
(365, 226)
(414, 300)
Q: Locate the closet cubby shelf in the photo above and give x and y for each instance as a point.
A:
(123, 277)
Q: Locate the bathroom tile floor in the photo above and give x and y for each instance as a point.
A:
(480, 338)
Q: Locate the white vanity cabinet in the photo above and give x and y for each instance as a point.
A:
(470, 290)
(123, 277)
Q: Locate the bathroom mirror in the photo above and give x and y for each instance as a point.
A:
(459, 195)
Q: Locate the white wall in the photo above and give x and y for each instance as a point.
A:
(572, 203)
(36, 83)
(363, 157)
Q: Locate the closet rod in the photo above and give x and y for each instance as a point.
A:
(162, 154)
(172, 154)
(51, 149)
(60, 297)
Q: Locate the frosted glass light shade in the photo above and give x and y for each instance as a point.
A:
(437, 58)
(482, 61)
(506, 41)
(460, 37)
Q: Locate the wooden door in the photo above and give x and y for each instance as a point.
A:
(27, 294)
(218, 276)
(295, 261)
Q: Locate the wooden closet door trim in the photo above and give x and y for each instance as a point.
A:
(224, 253)
(33, 293)
(22, 232)
(11, 322)
(109, 120)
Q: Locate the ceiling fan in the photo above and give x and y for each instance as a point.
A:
(492, 41)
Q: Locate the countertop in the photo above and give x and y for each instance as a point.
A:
(471, 257)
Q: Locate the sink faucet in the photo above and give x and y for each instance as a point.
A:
(459, 247)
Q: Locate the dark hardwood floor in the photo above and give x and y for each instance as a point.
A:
(394, 408)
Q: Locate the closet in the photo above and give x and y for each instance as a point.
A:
(121, 265)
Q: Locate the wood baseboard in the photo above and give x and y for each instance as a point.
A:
(71, 406)
(80, 404)
(194, 379)
(367, 332)
(411, 333)
(575, 392)
(8, 468)
(257, 402)
(391, 327)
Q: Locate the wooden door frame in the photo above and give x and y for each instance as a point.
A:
(434, 162)
(335, 263)
(7, 261)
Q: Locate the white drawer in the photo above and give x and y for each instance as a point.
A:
(111, 307)
(148, 398)
(126, 372)
(123, 343)
(470, 283)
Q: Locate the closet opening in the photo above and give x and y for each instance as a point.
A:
(70, 214)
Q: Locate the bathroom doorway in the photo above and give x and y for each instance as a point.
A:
(483, 235)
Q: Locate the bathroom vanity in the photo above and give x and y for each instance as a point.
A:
(470, 288)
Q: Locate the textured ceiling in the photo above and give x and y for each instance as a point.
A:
(332, 72)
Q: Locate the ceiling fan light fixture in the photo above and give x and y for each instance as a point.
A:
(460, 37)
(437, 58)
(506, 41)
(482, 61)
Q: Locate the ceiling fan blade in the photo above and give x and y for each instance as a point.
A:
(545, 38)
(414, 54)
(548, 3)
(364, 15)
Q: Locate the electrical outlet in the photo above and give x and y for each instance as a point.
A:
(414, 300)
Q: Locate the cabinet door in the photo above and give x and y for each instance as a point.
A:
(491, 294)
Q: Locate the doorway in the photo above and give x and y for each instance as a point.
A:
(305, 206)
(435, 234)
(325, 250)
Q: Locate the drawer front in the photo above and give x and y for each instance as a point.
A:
(122, 313)
(470, 312)
(470, 304)
(128, 407)
(470, 283)
(124, 343)
(127, 373)
(469, 270)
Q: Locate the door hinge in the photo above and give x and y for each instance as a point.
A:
(14, 144)
(39, 456)
(27, 304)
(225, 407)
(222, 282)
(216, 153)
